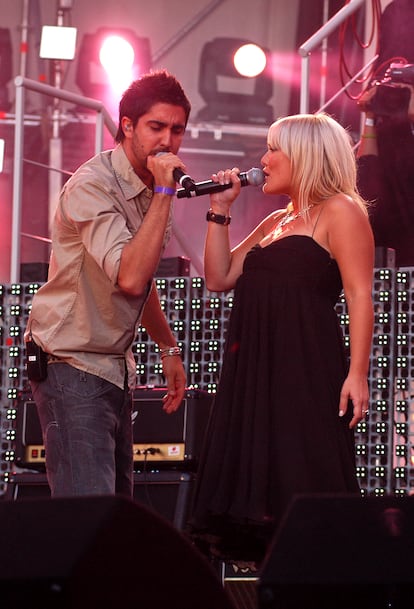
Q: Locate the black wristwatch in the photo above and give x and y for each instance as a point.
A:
(217, 218)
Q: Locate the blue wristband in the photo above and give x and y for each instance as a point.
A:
(165, 190)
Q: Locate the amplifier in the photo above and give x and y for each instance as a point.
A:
(167, 439)
(29, 448)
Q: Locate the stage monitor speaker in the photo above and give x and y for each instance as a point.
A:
(341, 552)
(99, 553)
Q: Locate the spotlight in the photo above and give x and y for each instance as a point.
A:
(117, 58)
(58, 42)
(109, 61)
(5, 67)
(250, 60)
(235, 81)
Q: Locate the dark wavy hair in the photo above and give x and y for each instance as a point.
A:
(152, 88)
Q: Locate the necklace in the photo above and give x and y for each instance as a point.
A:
(290, 217)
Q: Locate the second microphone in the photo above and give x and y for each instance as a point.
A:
(253, 177)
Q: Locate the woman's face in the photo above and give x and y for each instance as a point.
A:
(278, 171)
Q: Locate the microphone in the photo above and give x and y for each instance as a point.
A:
(183, 179)
(253, 177)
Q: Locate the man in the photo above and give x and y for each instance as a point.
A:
(386, 150)
(112, 223)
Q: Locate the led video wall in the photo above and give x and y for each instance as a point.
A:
(384, 442)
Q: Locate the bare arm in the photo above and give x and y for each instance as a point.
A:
(155, 322)
(223, 265)
(368, 144)
(351, 244)
(141, 255)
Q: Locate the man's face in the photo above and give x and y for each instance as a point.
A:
(159, 130)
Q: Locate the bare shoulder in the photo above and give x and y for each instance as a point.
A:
(343, 223)
(347, 228)
(342, 213)
(342, 206)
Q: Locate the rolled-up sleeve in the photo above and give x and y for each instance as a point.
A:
(100, 222)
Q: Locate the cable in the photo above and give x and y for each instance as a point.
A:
(148, 451)
(345, 72)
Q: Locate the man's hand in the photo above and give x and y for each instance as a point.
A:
(176, 382)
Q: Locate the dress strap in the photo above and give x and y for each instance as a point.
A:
(316, 222)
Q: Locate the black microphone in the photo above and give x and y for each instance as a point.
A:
(253, 177)
(183, 179)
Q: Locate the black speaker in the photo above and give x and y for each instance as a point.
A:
(341, 552)
(178, 266)
(166, 493)
(99, 552)
(384, 257)
(34, 271)
(27, 485)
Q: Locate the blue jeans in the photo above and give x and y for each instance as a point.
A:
(87, 433)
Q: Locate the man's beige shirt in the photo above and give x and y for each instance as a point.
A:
(80, 316)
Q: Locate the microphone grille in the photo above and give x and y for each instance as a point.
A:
(255, 176)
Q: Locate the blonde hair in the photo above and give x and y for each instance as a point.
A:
(322, 159)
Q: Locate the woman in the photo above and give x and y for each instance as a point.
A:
(287, 404)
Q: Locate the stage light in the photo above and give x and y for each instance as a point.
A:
(117, 58)
(235, 81)
(58, 42)
(109, 61)
(250, 60)
(5, 67)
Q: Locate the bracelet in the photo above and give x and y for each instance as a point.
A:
(170, 351)
(165, 190)
(217, 218)
(370, 122)
(369, 136)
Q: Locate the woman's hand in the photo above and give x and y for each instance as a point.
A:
(355, 389)
(222, 201)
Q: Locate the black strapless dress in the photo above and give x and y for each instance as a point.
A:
(274, 430)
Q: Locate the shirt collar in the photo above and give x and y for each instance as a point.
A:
(130, 183)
